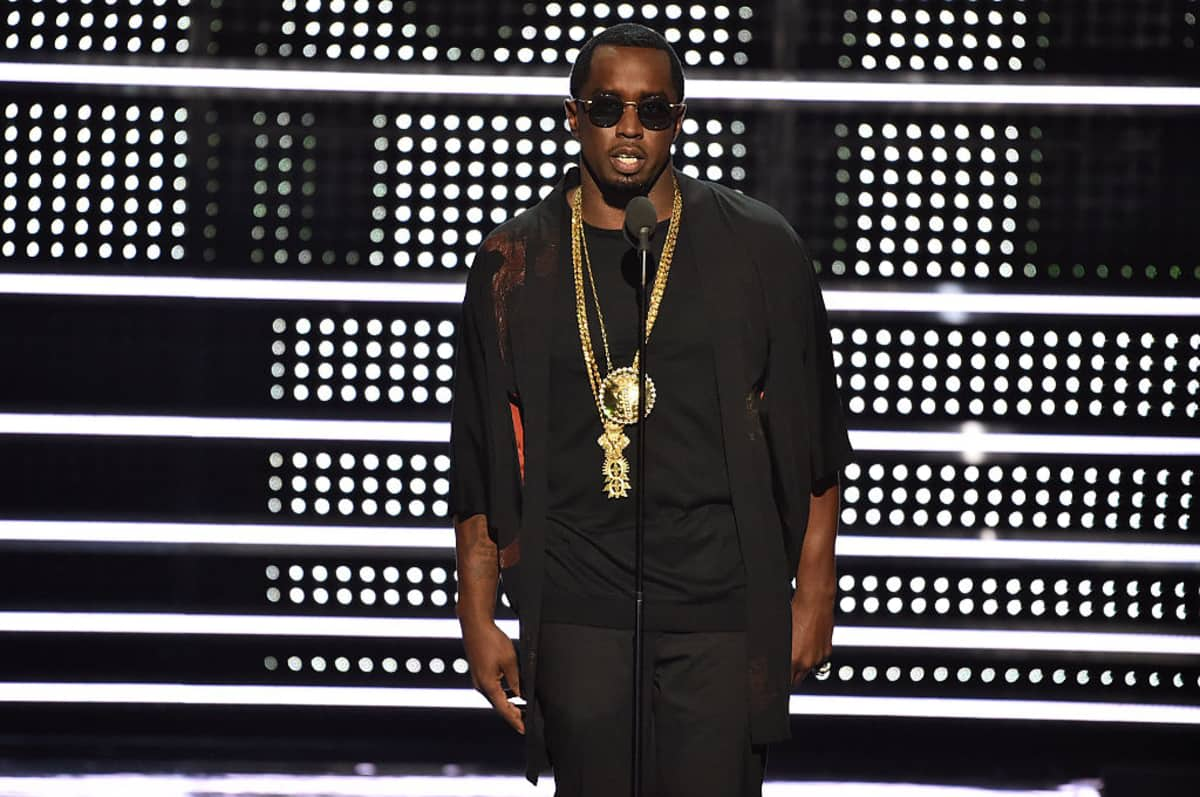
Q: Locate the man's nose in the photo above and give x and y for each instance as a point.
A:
(629, 125)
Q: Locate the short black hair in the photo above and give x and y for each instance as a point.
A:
(626, 34)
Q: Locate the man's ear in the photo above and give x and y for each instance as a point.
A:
(570, 107)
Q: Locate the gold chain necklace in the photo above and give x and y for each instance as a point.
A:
(616, 393)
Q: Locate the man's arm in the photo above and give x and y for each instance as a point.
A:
(490, 652)
(816, 586)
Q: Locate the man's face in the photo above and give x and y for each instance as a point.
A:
(628, 157)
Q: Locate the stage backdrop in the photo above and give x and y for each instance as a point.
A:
(233, 238)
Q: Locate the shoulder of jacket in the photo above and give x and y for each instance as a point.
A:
(760, 219)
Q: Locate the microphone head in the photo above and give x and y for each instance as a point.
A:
(640, 220)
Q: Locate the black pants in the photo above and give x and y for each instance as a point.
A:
(697, 734)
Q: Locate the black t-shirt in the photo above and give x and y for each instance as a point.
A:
(695, 578)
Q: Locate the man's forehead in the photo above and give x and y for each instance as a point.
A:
(639, 71)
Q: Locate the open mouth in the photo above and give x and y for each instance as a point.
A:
(627, 163)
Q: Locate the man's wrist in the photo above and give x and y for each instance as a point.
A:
(469, 620)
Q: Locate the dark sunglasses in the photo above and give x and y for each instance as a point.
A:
(654, 113)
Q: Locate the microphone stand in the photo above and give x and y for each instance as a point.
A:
(639, 530)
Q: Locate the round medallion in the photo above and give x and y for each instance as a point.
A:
(619, 396)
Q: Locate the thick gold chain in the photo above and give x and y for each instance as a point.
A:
(580, 259)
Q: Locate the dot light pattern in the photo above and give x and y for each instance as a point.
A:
(117, 27)
(712, 34)
(936, 199)
(1028, 197)
(359, 662)
(1088, 498)
(104, 180)
(402, 668)
(284, 189)
(370, 587)
(404, 362)
(909, 673)
(1017, 676)
(361, 486)
(1024, 594)
(1038, 374)
(444, 180)
(427, 185)
(929, 593)
(954, 37)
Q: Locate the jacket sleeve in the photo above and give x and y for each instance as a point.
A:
(829, 442)
(470, 434)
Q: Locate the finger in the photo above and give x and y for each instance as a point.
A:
(507, 711)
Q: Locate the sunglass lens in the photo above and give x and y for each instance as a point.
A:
(655, 114)
(605, 111)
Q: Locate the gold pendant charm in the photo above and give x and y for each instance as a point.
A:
(616, 466)
(619, 396)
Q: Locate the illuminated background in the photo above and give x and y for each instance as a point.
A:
(233, 237)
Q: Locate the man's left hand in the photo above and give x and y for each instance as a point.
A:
(812, 630)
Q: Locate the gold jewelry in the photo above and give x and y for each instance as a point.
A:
(616, 394)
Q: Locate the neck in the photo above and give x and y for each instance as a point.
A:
(606, 209)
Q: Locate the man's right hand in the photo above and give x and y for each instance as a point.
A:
(492, 657)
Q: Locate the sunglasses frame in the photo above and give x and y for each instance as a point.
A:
(674, 107)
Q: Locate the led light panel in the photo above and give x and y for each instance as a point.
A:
(1020, 495)
(946, 37)
(1043, 373)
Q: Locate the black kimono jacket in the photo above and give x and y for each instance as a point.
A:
(781, 418)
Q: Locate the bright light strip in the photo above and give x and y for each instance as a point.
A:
(259, 290)
(1008, 640)
(971, 443)
(238, 624)
(401, 537)
(555, 87)
(968, 442)
(225, 428)
(1056, 551)
(961, 303)
(938, 301)
(227, 785)
(398, 697)
(438, 628)
(227, 534)
(984, 709)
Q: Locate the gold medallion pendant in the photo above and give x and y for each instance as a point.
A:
(619, 396)
(616, 394)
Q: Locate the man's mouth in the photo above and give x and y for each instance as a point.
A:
(627, 162)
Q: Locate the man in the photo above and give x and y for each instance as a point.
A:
(745, 439)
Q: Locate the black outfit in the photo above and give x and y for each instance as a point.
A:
(697, 728)
(778, 418)
(694, 574)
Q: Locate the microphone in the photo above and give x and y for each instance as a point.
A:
(640, 220)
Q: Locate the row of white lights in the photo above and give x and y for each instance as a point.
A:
(434, 538)
(436, 628)
(951, 303)
(842, 91)
(971, 441)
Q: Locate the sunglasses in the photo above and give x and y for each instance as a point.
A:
(654, 113)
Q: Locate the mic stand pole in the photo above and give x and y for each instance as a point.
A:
(639, 530)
